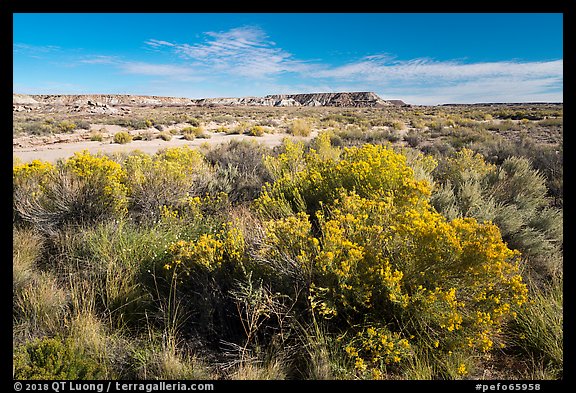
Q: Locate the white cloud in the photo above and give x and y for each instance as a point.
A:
(158, 43)
(244, 51)
(425, 81)
(34, 49)
(381, 70)
(99, 60)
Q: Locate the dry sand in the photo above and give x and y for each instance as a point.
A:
(53, 151)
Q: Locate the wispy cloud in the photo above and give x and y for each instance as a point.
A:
(425, 81)
(382, 70)
(99, 59)
(244, 51)
(34, 51)
(158, 43)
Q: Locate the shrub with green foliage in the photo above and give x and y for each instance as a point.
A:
(122, 137)
(512, 195)
(165, 136)
(242, 162)
(56, 359)
(167, 178)
(66, 126)
(190, 133)
(203, 271)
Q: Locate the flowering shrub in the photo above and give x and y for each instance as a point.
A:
(513, 196)
(208, 253)
(105, 179)
(164, 179)
(378, 346)
(35, 168)
(202, 272)
(305, 180)
(380, 260)
(82, 188)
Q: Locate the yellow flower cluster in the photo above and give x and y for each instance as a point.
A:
(208, 253)
(303, 181)
(234, 245)
(376, 346)
(34, 174)
(170, 170)
(462, 370)
(103, 173)
(31, 169)
(185, 157)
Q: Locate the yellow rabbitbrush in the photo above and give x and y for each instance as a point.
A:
(380, 257)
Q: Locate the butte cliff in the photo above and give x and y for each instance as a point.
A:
(113, 103)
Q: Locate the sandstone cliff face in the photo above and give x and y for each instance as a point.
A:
(110, 99)
(113, 103)
(355, 99)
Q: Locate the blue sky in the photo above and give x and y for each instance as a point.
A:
(423, 59)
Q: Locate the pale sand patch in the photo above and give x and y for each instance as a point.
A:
(53, 152)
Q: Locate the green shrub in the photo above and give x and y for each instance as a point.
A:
(96, 136)
(206, 270)
(190, 133)
(547, 159)
(55, 359)
(414, 138)
(164, 179)
(82, 124)
(243, 162)
(194, 122)
(38, 128)
(122, 137)
(239, 129)
(66, 126)
(512, 195)
(397, 125)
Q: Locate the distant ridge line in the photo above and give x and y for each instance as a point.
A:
(340, 99)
